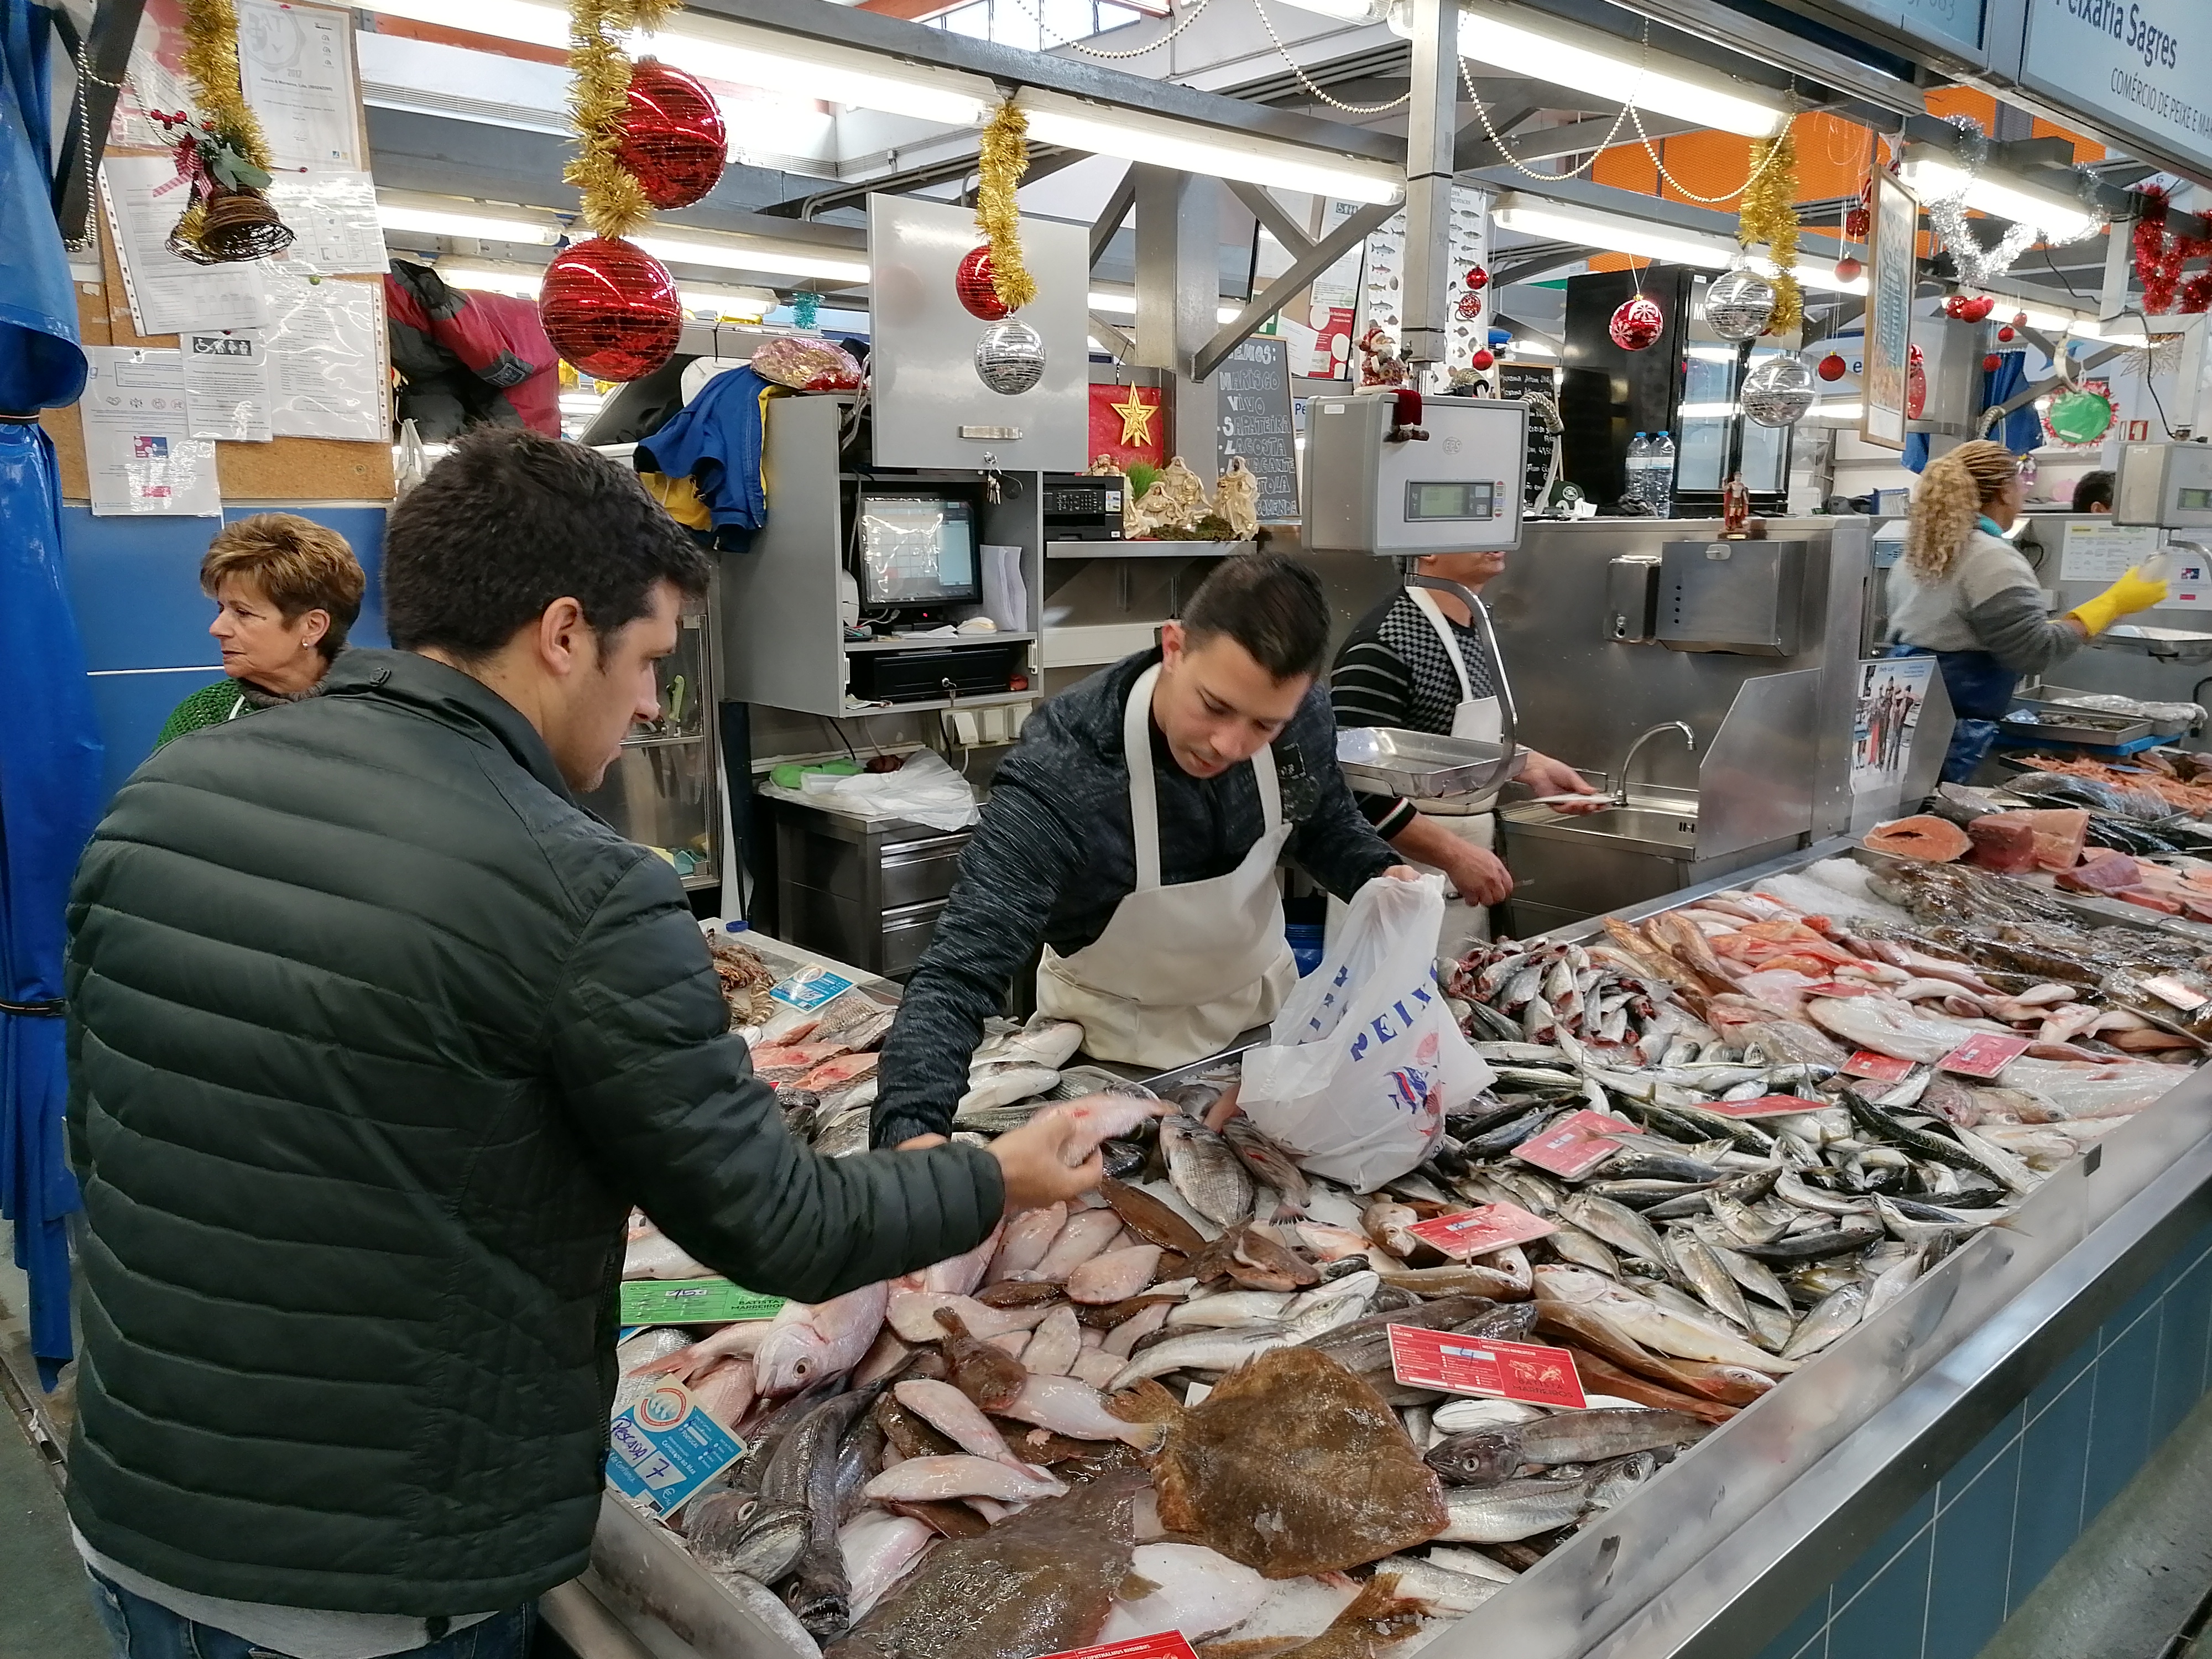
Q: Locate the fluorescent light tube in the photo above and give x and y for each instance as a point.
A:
(1615, 70)
(524, 285)
(1825, 411)
(1532, 215)
(1350, 11)
(1706, 411)
(487, 225)
(1054, 118)
(1124, 305)
(1931, 175)
(752, 253)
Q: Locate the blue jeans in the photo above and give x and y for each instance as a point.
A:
(140, 1629)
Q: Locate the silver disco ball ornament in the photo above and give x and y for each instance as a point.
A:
(1779, 390)
(1010, 357)
(1739, 305)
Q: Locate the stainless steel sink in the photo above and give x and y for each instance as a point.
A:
(1670, 832)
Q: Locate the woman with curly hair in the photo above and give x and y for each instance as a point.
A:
(1963, 595)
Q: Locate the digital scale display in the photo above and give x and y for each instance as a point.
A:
(1460, 499)
(2194, 501)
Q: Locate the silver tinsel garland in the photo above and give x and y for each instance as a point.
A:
(1977, 264)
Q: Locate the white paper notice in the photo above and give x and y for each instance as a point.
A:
(327, 377)
(136, 443)
(226, 385)
(295, 63)
(2100, 553)
(333, 218)
(168, 293)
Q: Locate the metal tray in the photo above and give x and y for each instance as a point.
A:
(2173, 644)
(2051, 722)
(1383, 758)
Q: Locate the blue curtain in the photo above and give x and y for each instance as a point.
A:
(50, 757)
(2020, 431)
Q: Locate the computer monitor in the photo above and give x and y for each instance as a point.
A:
(915, 552)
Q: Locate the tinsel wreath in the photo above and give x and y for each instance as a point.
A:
(1769, 215)
(2160, 257)
(1002, 159)
(614, 203)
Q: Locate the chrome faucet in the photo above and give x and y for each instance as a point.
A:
(1689, 737)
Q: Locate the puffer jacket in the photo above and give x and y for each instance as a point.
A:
(374, 1036)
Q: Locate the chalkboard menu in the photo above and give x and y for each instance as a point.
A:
(1525, 381)
(1253, 386)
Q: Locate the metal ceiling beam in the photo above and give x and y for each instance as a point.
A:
(1295, 237)
(1550, 144)
(1107, 225)
(1348, 233)
(849, 27)
(107, 49)
(1749, 36)
(1044, 160)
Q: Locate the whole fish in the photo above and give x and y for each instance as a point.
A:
(912, 1315)
(1075, 1409)
(1203, 1351)
(803, 1473)
(1835, 1313)
(1893, 1282)
(1515, 1510)
(930, 1479)
(1614, 1224)
(1197, 1591)
(1473, 1416)
(1114, 1276)
(878, 1550)
(1025, 1240)
(1054, 1345)
(1229, 1309)
(1269, 1164)
(956, 1417)
(1754, 1276)
(1001, 1083)
(1483, 1458)
(805, 1343)
(1151, 1219)
(1648, 1324)
(1088, 1233)
(1205, 1173)
(988, 1375)
(1815, 1246)
(1594, 1437)
(731, 1532)
(1707, 1277)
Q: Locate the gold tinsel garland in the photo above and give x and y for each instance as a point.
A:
(1004, 156)
(210, 61)
(1769, 215)
(599, 97)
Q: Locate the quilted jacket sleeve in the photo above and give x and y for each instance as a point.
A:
(661, 1089)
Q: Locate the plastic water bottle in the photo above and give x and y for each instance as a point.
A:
(1662, 475)
(1638, 478)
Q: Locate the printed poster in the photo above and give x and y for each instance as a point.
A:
(138, 446)
(1892, 691)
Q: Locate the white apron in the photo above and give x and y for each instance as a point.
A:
(1179, 970)
(1470, 818)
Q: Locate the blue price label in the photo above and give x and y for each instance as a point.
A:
(809, 987)
(664, 1447)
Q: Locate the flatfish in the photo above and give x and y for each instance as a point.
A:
(1292, 1465)
(1041, 1581)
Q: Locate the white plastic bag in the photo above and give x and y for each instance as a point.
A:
(924, 789)
(1365, 1059)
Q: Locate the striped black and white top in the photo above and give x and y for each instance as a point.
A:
(1392, 671)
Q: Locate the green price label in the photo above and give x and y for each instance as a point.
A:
(692, 1301)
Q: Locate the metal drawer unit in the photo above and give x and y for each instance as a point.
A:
(866, 891)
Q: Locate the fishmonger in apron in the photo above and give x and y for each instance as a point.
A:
(1180, 971)
(1473, 818)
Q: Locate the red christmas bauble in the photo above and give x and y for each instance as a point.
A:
(1978, 308)
(1637, 324)
(1477, 277)
(977, 288)
(672, 136)
(1833, 367)
(1857, 222)
(1991, 363)
(611, 308)
(1469, 308)
(1482, 360)
(1848, 269)
(2005, 333)
(1916, 388)
(2020, 320)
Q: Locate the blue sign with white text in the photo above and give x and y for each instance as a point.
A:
(664, 1447)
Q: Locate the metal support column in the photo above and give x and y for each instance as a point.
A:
(1431, 131)
(1178, 296)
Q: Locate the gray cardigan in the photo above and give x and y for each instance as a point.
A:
(1988, 600)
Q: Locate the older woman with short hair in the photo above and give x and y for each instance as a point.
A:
(286, 590)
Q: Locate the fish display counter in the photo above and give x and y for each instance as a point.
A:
(1814, 1172)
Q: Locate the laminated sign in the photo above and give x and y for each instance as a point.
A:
(1575, 1145)
(692, 1301)
(664, 1447)
(1478, 1232)
(1168, 1644)
(1422, 1358)
(809, 987)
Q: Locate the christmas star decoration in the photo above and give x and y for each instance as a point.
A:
(1136, 419)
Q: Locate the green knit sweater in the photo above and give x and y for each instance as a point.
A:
(212, 705)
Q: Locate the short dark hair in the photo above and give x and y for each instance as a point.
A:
(1269, 604)
(511, 521)
(2095, 488)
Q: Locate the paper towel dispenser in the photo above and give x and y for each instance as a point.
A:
(1741, 595)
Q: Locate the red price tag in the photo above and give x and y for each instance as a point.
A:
(1168, 1644)
(1883, 1068)
(1985, 1054)
(1765, 1106)
(1575, 1145)
(1474, 1233)
(1468, 1364)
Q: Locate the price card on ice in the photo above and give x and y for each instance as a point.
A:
(1168, 1644)
(1985, 1054)
(1764, 1106)
(1474, 1232)
(692, 1301)
(1575, 1145)
(665, 1446)
(809, 987)
(1883, 1068)
(1466, 1364)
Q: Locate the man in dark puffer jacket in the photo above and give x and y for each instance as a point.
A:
(375, 1035)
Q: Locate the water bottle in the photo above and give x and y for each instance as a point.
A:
(1638, 479)
(1662, 475)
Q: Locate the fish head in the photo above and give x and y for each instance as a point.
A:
(790, 1358)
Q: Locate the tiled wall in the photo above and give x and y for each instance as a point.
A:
(135, 584)
(1941, 1581)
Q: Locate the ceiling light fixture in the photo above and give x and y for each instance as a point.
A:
(1561, 221)
(487, 225)
(736, 305)
(753, 253)
(1932, 175)
(1135, 136)
(1615, 70)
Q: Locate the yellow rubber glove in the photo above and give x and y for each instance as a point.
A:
(2123, 597)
